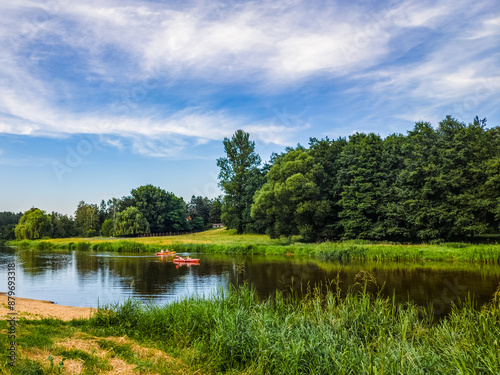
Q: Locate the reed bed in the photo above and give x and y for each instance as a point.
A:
(324, 333)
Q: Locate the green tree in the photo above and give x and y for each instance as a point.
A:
(62, 225)
(107, 228)
(361, 178)
(163, 211)
(238, 177)
(288, 203)
(8, 221)
(197, 223)
(325, 174)
(130, 221)
(490, 190)
(200, 207)
(34, 224)
(87, 219)
(215, 211)
(391, 213)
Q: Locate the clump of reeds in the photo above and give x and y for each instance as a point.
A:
(322, 333)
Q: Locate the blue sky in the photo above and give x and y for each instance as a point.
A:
(100, 97)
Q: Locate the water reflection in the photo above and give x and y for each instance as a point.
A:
(88, 278)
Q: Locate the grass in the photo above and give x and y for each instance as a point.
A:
(233, 332)
(236, 333)
(224, 241)
(51, 346)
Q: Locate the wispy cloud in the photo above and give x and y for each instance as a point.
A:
(70, 68)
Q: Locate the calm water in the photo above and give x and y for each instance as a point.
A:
(88, 279)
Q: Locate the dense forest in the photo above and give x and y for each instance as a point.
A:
(432, 183)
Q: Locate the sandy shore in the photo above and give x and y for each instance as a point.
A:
(37, 309)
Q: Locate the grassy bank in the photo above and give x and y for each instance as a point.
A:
(358, 334)
(228, 242)
(235, 333)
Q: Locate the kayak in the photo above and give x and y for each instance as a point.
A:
(186, 260)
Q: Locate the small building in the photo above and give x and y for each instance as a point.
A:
(217, 225)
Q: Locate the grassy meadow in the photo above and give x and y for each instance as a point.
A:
(228, 242)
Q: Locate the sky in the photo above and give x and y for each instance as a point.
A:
(100, 97)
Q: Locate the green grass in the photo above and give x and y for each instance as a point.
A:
(236, 333)
(43, 338)
(322, 334)
(221, 241)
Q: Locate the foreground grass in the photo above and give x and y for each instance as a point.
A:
(51, 346)
(228, 242)
(234, 333)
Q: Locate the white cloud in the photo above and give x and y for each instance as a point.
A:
(259, 44)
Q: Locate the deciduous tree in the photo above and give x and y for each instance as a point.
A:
(130, 221)
(239, 178)
(33, 225)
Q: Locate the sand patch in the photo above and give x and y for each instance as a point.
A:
(37, 309)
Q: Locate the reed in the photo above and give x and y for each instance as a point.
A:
(324, 333)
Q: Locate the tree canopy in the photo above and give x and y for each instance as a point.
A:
(163, 211)
(33, 225)
(240, 178)
(438, 183)
(130, 221)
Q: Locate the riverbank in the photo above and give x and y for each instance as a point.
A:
(228, 242)
(38, 309)
(235, 333)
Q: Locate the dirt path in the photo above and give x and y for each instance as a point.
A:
(36, 309)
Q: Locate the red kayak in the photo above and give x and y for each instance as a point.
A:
(186, 260)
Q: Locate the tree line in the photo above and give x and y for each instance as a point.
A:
(149, 209)
(432, 183)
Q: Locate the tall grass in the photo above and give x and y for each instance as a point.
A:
(321, 334)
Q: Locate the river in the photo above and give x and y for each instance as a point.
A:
(89, 279)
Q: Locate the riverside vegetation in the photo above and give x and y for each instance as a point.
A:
(228, 242)
(233, 332)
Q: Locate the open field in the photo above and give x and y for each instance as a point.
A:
(227, 241)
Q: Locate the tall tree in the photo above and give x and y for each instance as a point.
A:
(325, 174)
(362, 180)
(289, 202)
(87, 219)
(490, 191)
(239, 177)
(34, 224)
(215, 211)
(200, 207)
(418, 183)
(63, 226)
